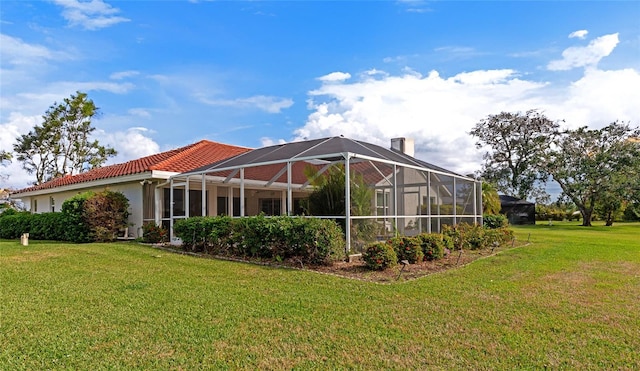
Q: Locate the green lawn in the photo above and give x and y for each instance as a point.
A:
(570, 299)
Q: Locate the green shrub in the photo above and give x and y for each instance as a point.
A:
(106, 214)
(12, 226)
(498, 237)
(76, 228)
(495, 221)
(432, 245)
(474, 237)
(379, 256)
(407, 248)
(48, 226)
(152, 233)
(310, 240)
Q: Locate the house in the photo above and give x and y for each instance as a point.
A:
(410, 196)
(143, 181)
(517, 211)
(407, 195)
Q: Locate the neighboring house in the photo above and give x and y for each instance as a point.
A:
(143, 181)
(518, 211)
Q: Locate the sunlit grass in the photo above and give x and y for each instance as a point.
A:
(569, 299)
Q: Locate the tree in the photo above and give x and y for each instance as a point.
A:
(61, 145)
(596, 167)
(517, 142)
(490, 199)
(4, 157)
(328, 199)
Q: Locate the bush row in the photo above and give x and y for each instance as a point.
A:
(85, 217)
(311, 240)
(47, 226)
(381, 255)
(425, 246)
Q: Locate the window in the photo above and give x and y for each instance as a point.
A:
(34, 207)
(195, 202)
(223, 208)
(270, 206)
(382, 202)
(52, 202)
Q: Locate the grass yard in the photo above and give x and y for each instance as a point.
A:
(570, 299)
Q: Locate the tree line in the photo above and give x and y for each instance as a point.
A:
(597, 169)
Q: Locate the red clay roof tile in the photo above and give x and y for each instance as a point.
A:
(176, 160)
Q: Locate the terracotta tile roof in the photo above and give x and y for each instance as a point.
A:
(176, 160)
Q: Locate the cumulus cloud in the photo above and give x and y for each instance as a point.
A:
(439, 111)
(585, 56)
(265, 103)
(91, 15)
(335, 76)
(17, 124)
(580, 34)
(131, 143)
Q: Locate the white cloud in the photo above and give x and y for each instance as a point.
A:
(580, 34)
(17, 52)
(262, 102)
(123, 75)
(585, 56)
(131, 144)
(17, 124)
(91, 15)
(140, 112)
(266, 141)
(438, 112)
(335, 76)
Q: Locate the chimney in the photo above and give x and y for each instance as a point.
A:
(404, 145)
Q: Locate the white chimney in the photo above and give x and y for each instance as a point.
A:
(404, 145)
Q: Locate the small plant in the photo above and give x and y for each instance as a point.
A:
(494, 221)
(432, 244)
(153, 233)
(407, 248)
(379, 256)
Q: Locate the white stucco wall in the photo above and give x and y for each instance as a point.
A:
(131, 190)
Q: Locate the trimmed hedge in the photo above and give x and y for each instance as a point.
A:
(74, 223)
(310, 240)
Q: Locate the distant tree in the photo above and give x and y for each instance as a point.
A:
(61, 145)
(597, 168)
(516, 144)
(5, 157)
(490, 199)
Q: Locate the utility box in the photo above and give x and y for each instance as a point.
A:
(24, 239)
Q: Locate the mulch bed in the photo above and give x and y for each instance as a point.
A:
(356, 269)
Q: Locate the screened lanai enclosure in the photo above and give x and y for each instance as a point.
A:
(373, 192)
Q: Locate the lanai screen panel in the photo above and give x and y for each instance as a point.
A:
(390, 192)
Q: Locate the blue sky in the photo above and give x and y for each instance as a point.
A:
(169, 73)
